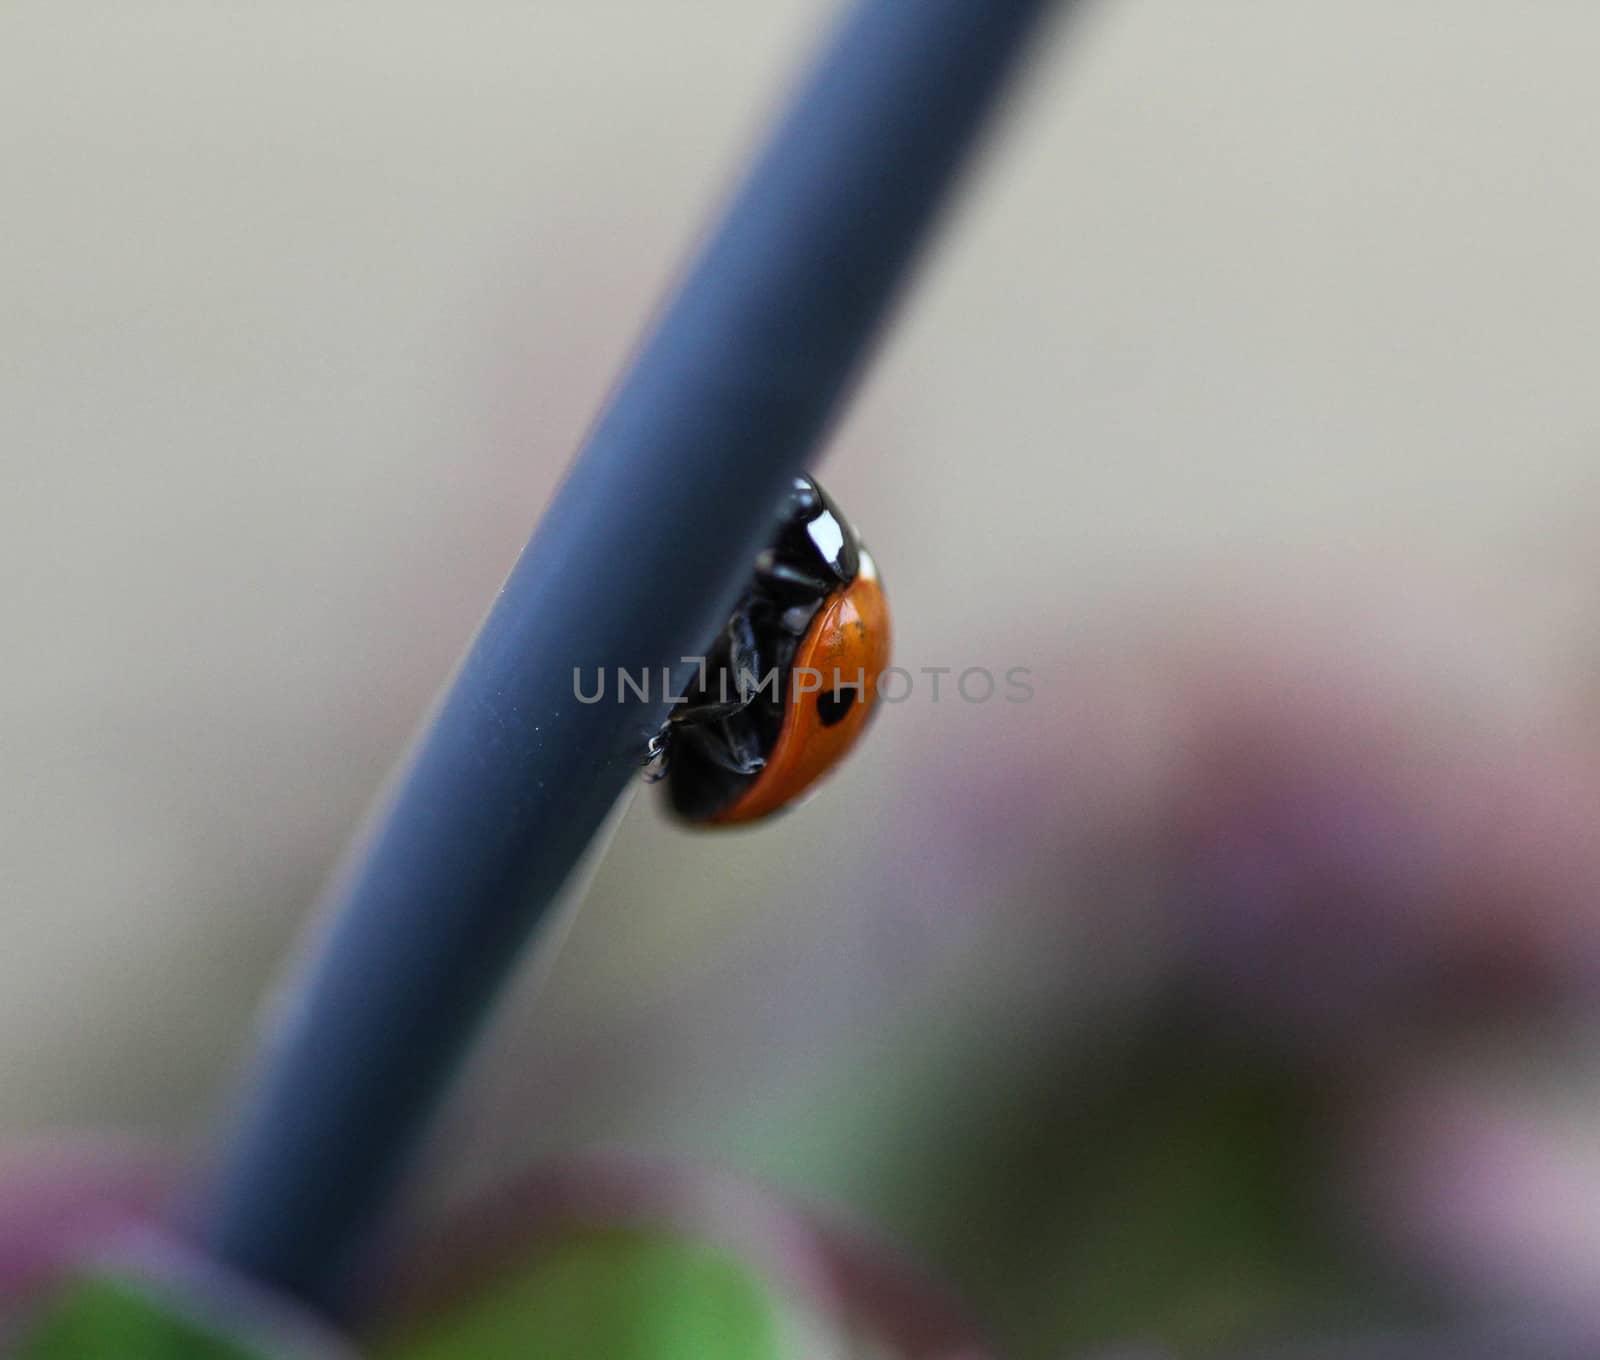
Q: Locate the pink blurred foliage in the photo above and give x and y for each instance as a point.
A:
(1349, 834)
(1368, 856)
(1477, 1179)
(62, 1197)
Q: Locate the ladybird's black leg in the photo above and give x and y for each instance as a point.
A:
(733, 743)
(796, 593)
(739, 746)
(656, 756)
(743, 665)
(698, 715)
(702, 714)
(793, 580)
(744, 652)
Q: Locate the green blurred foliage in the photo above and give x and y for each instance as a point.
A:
(105, 1318)
(613, 1295)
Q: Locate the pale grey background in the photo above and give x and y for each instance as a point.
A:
(303, 308)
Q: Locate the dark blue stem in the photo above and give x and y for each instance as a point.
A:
(636, 563)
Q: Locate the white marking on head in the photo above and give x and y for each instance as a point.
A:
(869, 568)
(827, 534)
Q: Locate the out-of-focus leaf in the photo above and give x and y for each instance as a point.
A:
(613, 1295)
(96, 1318)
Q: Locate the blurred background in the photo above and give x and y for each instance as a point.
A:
(1239, 983)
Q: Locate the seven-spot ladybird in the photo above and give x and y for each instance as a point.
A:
(791, 682)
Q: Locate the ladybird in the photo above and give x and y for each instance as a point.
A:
(790, 683)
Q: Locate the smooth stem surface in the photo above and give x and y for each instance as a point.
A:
(636, 563)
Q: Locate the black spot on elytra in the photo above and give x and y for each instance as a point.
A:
(832, 705)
